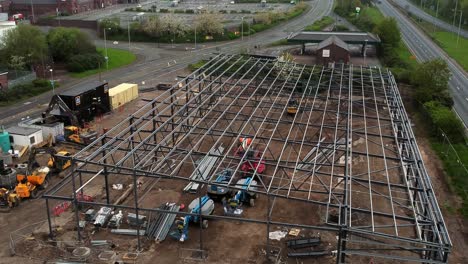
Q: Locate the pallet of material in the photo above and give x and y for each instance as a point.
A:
(159, 227)
(307, 254)
(303, 243)
(203, 169)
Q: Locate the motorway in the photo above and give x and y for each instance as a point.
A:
(410, 7)
(425, 49)
(169, 60)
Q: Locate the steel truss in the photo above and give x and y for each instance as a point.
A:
(348, 153)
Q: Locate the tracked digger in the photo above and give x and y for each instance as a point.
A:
(35, 177)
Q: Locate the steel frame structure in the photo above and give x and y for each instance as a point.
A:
(348, 153)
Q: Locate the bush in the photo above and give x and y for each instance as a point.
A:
(41, 83)
(84, 62)
(444, 118)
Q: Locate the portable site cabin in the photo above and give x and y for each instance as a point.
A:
(53, 129)
(122, 94)
(25, 136)
(86, 100)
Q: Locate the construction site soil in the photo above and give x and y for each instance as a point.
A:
(223, 241)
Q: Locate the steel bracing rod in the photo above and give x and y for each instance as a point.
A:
(215, 217)
(187, 92)
(320, 134)
(124, 122)
(232, 121)
(349, 154)
(192, 128)
(367, 154)
(290, 128)
(171, 176)
(261, 124)
(304, 132)
(392, 257)
(281, 188)
(334, 151)
(384, 157)
(434, 209)
(168, 108)
(219, 118)
(186, 118)
(417, 227)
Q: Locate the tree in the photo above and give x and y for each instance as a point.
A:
(66, 42)
(209, 24)
(389, 32)
(153, 26)
(173, 25)
(25, 41)
(262, 18)
(442, 117)
(112, 26)
(431, 80)
(17, 63)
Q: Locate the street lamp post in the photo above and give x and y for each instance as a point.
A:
(52, 82)
(459, 26)
(105, 49)
(455, 13)
(242, 29)
(32, 10)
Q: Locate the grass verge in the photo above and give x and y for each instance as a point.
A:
(457, 176)
(447, 41)
(320, 24)
(117, 58)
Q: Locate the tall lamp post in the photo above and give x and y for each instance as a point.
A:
(459, 26)
(52, 82)
(105, 49)
(242, 29)
(32, 10)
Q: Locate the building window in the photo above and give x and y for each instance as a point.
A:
(32, 140)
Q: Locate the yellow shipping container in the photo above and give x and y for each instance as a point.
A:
(122, 94)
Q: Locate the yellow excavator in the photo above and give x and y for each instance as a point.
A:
(292, 107)
(8, 200)
(35, 177)
(77, 135)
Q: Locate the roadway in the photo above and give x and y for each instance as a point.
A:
(415, 10)
(425, 49)
(156, 63)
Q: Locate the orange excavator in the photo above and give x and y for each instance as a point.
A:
(35, 176)
(29, 185)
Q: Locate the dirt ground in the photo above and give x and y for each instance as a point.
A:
(223, 241)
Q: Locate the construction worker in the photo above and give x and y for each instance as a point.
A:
(245, 142)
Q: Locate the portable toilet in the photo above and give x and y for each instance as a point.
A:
(5, 144)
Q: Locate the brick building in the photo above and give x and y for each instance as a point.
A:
(332, 49)
(42, 7)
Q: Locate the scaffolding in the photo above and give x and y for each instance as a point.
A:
(348, 153)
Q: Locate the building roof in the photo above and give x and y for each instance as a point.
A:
(333, 40)
(36, 2)
(82, 88)
(347, 37)
(22, 131)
